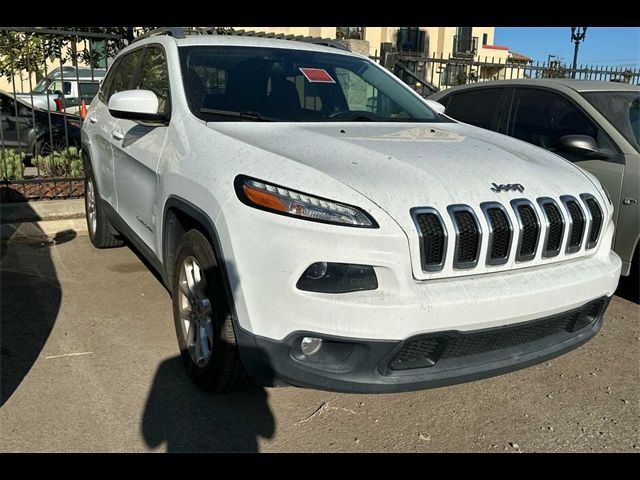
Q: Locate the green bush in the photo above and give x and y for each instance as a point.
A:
(64, 163)
(11, 165)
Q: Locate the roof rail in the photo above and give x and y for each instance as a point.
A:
(182, 32)
(175, 32)
(327, 42)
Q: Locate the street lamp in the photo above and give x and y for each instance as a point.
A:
(577, 36)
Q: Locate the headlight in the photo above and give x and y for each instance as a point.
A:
(284, 201)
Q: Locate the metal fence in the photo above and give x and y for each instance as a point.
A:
(47, 77)
(432, 73)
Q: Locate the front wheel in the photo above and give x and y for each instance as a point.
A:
(203, 319)
(101, 233)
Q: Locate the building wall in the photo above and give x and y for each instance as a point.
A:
(439, 39)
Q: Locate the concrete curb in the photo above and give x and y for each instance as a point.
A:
(42, 231)
(42, 221)
(39, 211)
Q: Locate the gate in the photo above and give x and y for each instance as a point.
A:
(47, 77)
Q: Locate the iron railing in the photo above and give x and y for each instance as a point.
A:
(428, 74)
(46, 82)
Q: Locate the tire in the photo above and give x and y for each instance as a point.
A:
(101, 232)
(44, 146)
(201, 314)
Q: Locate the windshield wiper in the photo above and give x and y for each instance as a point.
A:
(228, 113)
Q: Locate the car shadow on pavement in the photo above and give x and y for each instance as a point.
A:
(30, 297)
(188, 419)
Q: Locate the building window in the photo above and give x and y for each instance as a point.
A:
(485, 38)
(411, 39)
(350, 33)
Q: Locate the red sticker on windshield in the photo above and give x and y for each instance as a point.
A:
(319, 75)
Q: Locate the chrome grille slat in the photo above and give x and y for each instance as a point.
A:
(433, 238)
(576, 223)
(554, 227)
(529, 226)
(500, 233)
(594, 212)
(468, 236)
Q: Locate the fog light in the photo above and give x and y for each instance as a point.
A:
(324, 277)
(316, 271)
(310, 345)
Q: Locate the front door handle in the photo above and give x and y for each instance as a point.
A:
(117, 134)
(93, 119)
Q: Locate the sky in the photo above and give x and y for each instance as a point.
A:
(618, 46)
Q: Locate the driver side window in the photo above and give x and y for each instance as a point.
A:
(541, 118)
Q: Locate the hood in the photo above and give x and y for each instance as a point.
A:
(408, 165)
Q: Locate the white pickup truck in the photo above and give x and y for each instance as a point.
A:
(63, 89)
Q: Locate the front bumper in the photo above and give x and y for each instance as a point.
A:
(422, 361)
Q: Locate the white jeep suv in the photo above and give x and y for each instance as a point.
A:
(319, 224)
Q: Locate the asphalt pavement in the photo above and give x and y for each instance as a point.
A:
(90, 364)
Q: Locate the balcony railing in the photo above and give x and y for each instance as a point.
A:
(464, 46)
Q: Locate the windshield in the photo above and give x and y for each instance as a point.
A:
(622, 110)
(42, 85)
(273, 84)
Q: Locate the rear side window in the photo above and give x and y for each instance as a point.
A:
(60, 86)
(87, 91)
(478, 107)
(124, 72)
(541, 117)
(154, 77)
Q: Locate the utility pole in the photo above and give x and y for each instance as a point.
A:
(577, 36)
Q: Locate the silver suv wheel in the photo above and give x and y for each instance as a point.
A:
(195, 312)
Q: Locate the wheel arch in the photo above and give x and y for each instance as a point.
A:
(178, 217)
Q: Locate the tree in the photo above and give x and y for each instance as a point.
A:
(27, 52)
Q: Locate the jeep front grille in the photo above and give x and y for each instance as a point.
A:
(547, 224)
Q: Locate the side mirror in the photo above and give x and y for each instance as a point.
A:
(438, 107)
(139, 105)
(580, 144)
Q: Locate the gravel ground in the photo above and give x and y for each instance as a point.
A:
(123, 387)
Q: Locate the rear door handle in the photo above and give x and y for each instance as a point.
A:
(117, 134)
(93, 119)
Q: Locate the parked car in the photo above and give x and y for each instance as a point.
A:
(65, 88)
(35, 131)
(311, 235)
(595, 125)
